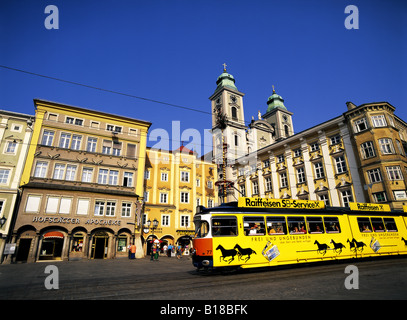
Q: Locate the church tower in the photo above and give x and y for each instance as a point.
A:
(279, 117)
(227, 101)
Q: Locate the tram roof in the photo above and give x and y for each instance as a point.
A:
(232, 207)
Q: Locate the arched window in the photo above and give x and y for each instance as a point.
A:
(286, 130)
(234, 113)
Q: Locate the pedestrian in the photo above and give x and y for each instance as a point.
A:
(165, 248)
(152, 252)
(157, 252)
(169, 250)
(133, 249)
(128, 249)
(178, 252)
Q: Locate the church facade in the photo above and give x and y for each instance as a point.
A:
(358, 156)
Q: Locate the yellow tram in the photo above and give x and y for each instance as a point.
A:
(258, 232)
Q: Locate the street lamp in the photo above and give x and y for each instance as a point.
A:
(155, 225)
(2, 221)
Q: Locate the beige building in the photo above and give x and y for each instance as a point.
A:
(175, 183)
(380, 143)
(15, 136)
(81, 185)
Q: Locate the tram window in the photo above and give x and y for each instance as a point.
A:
(254, 226)
(201, 229)
(390, 225)
(364, 225)
(224, 226)
(296, 225)
(315, 225)
(377, 224)
(332, 225)
(276, 225)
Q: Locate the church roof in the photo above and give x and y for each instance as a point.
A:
(275, 101)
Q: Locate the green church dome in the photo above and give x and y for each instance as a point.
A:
(275, 101)
(226, 80)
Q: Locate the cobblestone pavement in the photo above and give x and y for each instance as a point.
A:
(173, 279)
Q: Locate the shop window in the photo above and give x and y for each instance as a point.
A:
(77, 242)
(122, 243)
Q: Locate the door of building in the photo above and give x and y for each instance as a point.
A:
(100, 245)
(23, 249)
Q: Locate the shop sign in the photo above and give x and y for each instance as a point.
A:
(369, 207)
(10, 248)
(68, 220)
(280, 203)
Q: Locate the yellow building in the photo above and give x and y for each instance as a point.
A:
(175, 183)
(80, 185)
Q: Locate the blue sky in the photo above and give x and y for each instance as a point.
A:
(173, 51)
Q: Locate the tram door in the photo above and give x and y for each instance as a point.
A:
(100, 245)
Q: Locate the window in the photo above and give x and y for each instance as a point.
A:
(69, 120)
(165, 220)
(346, 197)
(99, 208)
(394, 173)
(70, 172)
(315, 225)
(113, 177)
(254, 226)
(40, 169)
(340, 164)
(184, 176)
(164, 176)
(210, 203)
(319, 170)
(242, 188)
(280, 158)
(297, 153)
(236, 140)
(128, 179)
(146, 194)
(335, 139)
(276, 225)
(296, 225)
(255, 187)
(325, 198)
(11, 147)
(76, 142)
(390, 224)
(184, 221)
(107, 147)
(364, 224)
(65, 140)
(198, 182)
(283, 180)
(332, 225)
(379, 196)
(386, 146)
(117, 148)
(147, 175)
(87, 174)
(210, 184)
(163, 197)
(126, 209)
(91, 145)
(47, 138)
(374, 175)
(377, 224)
(367, 150)
(234, 113)
(266, 163)
(314, 146)
(360, 125)
(301, 175)
(4, 175)
(102, 178)
(131, 151)
(58, 205)
(33, 203)
(83, 206)
(110, 208)
(379, 121)
(184, 197)
(224, 226)
(269, 185)
(59, 171)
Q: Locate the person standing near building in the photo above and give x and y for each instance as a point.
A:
(133, 249)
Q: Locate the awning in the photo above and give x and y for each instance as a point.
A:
(53, 235)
